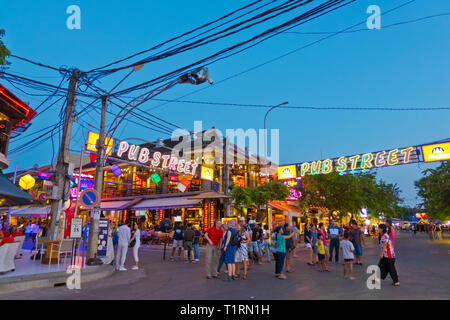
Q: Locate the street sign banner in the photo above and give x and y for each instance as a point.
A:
(89, 198)
(102, 243)
(76, 225)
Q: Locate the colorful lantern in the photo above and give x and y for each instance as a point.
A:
(27, 182)
(116, 170)
(183, 185)
(155, 178)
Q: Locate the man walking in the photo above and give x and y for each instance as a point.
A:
(333, 233)
(214, 238)
(177, 239)
(188, 237)
(124, 234)
(357, 239)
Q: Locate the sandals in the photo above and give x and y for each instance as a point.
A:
(244, 278)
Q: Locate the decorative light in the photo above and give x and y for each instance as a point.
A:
(116, 170)
(155, 178)
(27, 182)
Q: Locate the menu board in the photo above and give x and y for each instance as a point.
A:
(102, 244)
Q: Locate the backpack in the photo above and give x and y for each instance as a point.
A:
(236, 241)
(273, 243)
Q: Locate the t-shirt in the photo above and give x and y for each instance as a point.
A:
(320, 247)
(392, 237)
(290, 241)
(178, 233)
(281, 243)
(189, 235)
(255, 234)
(35, 228)
(308, 234)
(137, 233)
(197, 235)
(347, 249)
(355, 236)
(124, 234)
(314, 237)
(215, 235)
(324, 238)
(334, 232)
(389, 252)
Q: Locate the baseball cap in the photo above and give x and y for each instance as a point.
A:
(252, 222)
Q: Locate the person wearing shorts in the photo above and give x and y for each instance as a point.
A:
(177, 239)
(253, 246)
(321, 253)
(188, 237)
(348, 254)
(308, 239)
(357, 238)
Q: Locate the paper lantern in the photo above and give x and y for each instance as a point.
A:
(155, 178)
(27, 182)
(116, 170)
(183, 185)
(93, 158)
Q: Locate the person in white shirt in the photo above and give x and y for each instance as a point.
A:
(34, 231)
(137, 237)
(122, 247)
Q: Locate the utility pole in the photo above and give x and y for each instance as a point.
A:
(226, 177)
(98, 184)
(63, 156)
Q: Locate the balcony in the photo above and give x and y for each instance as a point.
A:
(110, 193)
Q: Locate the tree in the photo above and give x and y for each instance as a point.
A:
(241, 197)
(434, 189)
(4, 52)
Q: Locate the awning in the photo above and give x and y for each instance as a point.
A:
(31, 211)
(210, 195)
(286, 208)
(166, 203)
(10, 195)
(116, 205)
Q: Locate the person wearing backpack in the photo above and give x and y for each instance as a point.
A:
(229, 249)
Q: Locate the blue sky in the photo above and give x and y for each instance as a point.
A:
(401, 66)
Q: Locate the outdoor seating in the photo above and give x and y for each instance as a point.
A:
(7, 253)
(63, 247)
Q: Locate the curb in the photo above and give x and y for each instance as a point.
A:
(51, 279)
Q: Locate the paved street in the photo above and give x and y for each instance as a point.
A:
(423, 268)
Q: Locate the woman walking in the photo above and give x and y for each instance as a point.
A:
(137, 239)
(281, 252)
(230, 251)
(242, 252)
(387, 256)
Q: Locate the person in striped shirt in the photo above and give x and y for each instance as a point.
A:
(387, 256)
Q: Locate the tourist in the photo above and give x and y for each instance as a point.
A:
(124, 234)
(109, 246)
(333, 234)
(265, 242)
(213, 237)
(34, 231)
(253, 247)
(308, 243)
(321, 253)
(188, 237)
(323, 232)
(136, 239)
(281, 252)
(296, 238)
(224, 229)
(387, 256)
(230, 250)
(357, 239)
(177, 240)
(197, 235)
(314, 243)
(347, 252)
(273, 248)
(289, 248)
(241, 254)
(27, 231)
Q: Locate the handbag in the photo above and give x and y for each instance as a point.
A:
(133, 243)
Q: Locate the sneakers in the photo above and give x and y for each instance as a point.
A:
(122, 269)
(134, 268)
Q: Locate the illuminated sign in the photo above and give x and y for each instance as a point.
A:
(211, 219)
(287, 172)
(165, 161)
(207, 173)
(205, 216)
(91, 143)
(436, 152)
(363, 162)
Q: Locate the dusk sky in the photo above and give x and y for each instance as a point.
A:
(403, 66)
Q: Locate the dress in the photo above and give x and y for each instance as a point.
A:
(242, 252)
(231, 250)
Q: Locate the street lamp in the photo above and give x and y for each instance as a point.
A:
(265, 156)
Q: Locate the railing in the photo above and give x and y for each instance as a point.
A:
(114, 193)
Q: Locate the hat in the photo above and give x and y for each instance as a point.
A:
(389, 221)
(252, 222)
(242, 219)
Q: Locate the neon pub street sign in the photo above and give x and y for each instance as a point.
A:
(365, 161)
(157, 160)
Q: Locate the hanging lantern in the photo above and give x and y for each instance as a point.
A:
(155, 178)
(27, 182)
(116, 170)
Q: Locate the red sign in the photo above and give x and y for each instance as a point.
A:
(205, 216)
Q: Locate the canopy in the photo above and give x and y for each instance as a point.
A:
(10, 195)
(31, 211)
(210, 195)
(166, 203)
(116, 205)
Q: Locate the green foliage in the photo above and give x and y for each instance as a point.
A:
(434, 189)
(350, 193)
(4, 52)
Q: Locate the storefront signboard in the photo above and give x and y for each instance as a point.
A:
(91, 143)
(436, 152)
(207, 173)
(287, 172)
(102, 243)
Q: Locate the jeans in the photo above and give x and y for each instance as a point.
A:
(280, 262)
(334, 244)
(196, 252)
(220, 260)
(265, 245)
(275, 256)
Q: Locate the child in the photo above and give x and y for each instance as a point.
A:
(347, 252)
(321, 253)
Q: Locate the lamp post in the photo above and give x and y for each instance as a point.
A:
(265, 156)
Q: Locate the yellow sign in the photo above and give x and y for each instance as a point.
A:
(287, 172)
(436, 152)
(207, 173)
(91, 143)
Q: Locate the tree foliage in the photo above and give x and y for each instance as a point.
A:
(350, 193)
(4, 52)
(434, 189)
